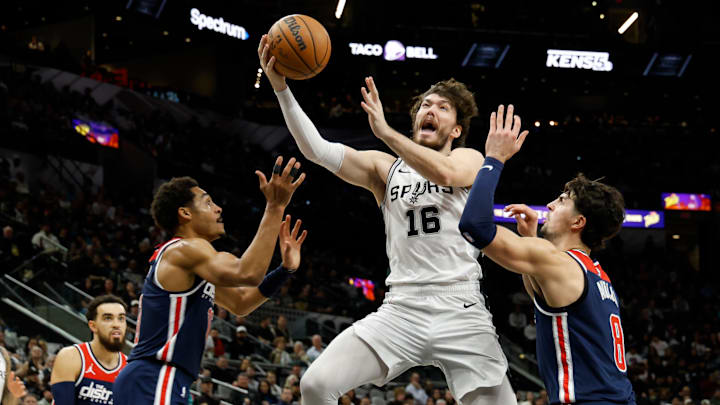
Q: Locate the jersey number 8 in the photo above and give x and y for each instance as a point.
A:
(618, 342)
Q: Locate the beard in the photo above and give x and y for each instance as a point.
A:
(545, 232)
(111, 344)
(437, 144)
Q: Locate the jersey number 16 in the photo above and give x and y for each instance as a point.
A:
(429, 221)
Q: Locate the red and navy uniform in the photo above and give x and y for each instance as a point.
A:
(581, 347)
(170, 340)
(95, 383)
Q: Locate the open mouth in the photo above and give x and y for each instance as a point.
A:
(428, 127)
(116, 334)
(220, 220)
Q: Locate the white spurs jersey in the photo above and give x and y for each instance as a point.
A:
(423, 243)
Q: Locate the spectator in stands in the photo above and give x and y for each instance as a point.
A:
(265, 332)
(299, 354)
(264, 393)
(222, 324)
(47, 398)
(286, 397)
(206, 391)
(416, 390)
(44, 240)
(345, 400)
(108, 287)
(274, 387)
(449, 399)
(529, 398)
(134, 309)
(35, 364)
(316, 349)
(239, 397)
(279, 355)
(659, 345)
(222, 371)
(30, 399)
(366, 401)
(217, 343)
(33, 382)
(282, 329)
(398, 396)
(252, 378)
(130, 293)
(241, 346)
(11, 250)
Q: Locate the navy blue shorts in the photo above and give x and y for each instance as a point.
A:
(151, 382)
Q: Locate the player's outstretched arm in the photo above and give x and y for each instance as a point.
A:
(366, 169)
(243, 300)
(65, 372)
(14, 388)
(457, 169)
(197, 255)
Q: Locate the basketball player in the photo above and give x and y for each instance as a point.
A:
(434, 313)
(580, 347)
(188, 276)
(84, 373)
(11, 386)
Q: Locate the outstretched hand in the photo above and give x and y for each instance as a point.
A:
(374, 109)
(504, 138)
(15, 385)
(290, 243)
(282, 184)
(526, 217)
(267, 63)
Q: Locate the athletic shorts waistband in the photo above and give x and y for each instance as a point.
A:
(460, 288)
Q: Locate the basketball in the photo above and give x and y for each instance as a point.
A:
(301, 46)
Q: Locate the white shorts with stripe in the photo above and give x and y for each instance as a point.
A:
(446, 326)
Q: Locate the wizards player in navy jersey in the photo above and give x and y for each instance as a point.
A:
(84, 373)
(187, 276)
(580, 342)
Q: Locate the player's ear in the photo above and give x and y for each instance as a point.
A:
(579, 222)
(185, 213)
(92, 326)
(456, 131)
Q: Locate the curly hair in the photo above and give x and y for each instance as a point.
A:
(603, 207)
(461, 99)
(169, 197)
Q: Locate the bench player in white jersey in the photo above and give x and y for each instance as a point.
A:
(434, 313)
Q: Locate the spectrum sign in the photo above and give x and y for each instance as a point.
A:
(564, 59)
(217, 24)
(392, 51)
(633, 218)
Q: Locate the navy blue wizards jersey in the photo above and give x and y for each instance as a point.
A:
(581, 347)
(172, 326)
(94, 385)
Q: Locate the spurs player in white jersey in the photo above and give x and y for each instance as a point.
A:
(434, 313)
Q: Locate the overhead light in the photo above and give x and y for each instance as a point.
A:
(118, 18)
(166, 33)
(553, 123)
(634, 16)
(594, 3)
(187, 39)
(104, 34)
(602, 16)
(339, 9)
(676, 236)
(537, 124)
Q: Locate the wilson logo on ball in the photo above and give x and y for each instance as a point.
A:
(294, 28)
